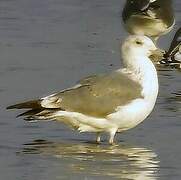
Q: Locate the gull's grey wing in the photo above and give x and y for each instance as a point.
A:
(162, 9)
(147, 16)
(134, 7)
(96, 95)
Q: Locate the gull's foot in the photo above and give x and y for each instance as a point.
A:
(112, 135)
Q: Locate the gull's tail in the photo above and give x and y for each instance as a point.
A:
(35, 110)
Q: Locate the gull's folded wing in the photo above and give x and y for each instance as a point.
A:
(96, 95)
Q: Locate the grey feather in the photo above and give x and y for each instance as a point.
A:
(97, 95)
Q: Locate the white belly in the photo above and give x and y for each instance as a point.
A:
(132, 114)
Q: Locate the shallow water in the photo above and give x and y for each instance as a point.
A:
(48, 45)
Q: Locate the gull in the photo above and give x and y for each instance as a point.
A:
(172, 57)
(152, 18)
(112, 102)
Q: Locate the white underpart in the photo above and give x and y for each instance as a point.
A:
(138, 67)
(137, 110)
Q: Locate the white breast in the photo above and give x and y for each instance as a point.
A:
(136, 111)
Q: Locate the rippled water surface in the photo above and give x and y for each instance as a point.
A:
(48, 45)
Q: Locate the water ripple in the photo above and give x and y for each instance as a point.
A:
(119, 161)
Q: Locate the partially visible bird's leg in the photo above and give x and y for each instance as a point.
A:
(112, 135)
(98, 137)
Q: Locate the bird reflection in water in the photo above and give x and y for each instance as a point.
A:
(120, 161)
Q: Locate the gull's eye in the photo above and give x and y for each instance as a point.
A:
(139, 42)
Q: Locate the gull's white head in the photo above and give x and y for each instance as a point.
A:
(138, 45)
(137, 49)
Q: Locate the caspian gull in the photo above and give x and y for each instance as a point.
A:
(151, 18)
(110, 103)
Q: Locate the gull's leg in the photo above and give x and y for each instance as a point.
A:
(98, 137)
(112, 135)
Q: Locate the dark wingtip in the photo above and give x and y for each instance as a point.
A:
(30, 112)
(15, 106)
(10, 107)
(33, 104)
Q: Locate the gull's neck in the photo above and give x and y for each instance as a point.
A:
(143, 71)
